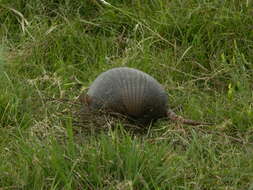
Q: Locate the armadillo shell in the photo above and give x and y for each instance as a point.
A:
(128, 91)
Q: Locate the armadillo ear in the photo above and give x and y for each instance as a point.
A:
(81, 98)
(84, 99)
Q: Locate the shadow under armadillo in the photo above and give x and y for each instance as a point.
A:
(100, 120)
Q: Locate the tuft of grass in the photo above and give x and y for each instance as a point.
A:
(201, 51)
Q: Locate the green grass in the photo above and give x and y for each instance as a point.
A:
(201, 51)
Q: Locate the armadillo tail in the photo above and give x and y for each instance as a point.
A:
(174, 117)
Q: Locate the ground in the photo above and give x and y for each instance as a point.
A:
(199, 50)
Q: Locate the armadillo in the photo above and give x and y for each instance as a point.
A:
(133, 93)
